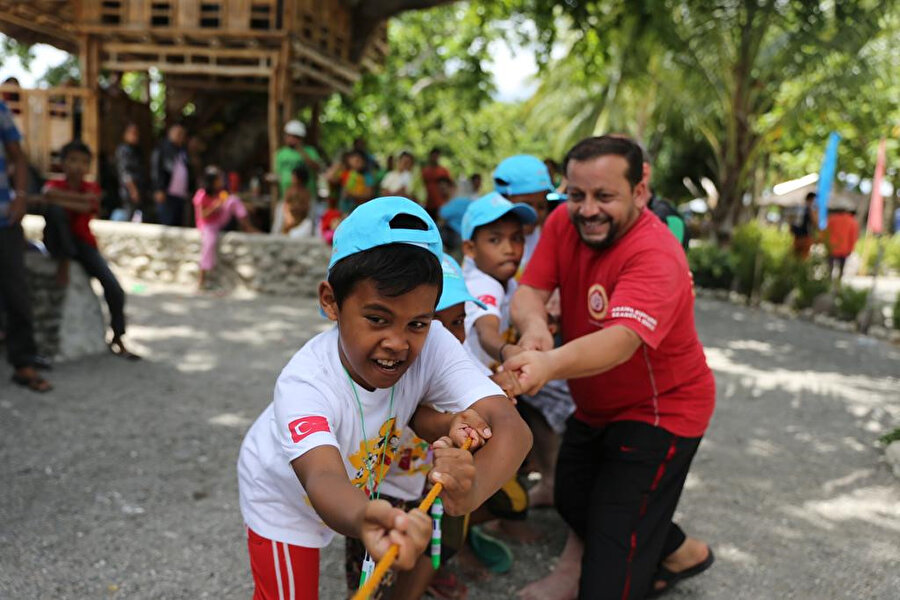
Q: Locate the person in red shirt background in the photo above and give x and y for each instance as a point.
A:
(841, 234)
(643, 391)
(72, 203)
(432, 174)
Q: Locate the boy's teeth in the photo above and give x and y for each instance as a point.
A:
(386, 363)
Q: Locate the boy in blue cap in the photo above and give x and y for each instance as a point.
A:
(493, 243)
(312, 464)
(404, 484)
(524, 178)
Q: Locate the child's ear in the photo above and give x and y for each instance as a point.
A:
(469, 248)
(327, 301)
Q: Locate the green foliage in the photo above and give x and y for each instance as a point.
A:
(747, 78)
(891, 437)
(868, 252)
(760, 252)
(711, 266)
(849, 302)
(896, 312)
(808, 286)
(9, 48)
(435, 91)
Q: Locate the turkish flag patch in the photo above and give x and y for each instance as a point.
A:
(305, 426)
(488, 299)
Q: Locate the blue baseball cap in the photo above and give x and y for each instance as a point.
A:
(455, 290)
(491, 207)
(452, 212)
(369, 226)
(522, 174)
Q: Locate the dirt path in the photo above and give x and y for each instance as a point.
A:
(121, 483)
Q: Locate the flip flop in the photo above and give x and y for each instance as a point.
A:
(121, 351)
(35, 383)
(493, 554)
(671, 578)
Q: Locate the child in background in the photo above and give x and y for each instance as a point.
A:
(524, 178)
(298, 222)
(493, 244)
(310, 466)
(214, 207)
(356, 181)
(68, 235)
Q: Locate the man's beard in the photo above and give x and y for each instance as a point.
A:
(606, 242)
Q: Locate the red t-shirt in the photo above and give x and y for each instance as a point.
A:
(643, 283)
(431, 176)
(79, 222)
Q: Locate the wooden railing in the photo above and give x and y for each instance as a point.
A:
(48, 119)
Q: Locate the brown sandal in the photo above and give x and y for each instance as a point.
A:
(34, 382)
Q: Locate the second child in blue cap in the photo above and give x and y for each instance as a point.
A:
(313, 463)
(493, 242)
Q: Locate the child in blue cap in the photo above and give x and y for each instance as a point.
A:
(404, 484)
(313, 462)
(526, 179)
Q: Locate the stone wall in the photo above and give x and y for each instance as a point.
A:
(262, 263)
(68, 322)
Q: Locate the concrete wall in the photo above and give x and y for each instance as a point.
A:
(262, 263)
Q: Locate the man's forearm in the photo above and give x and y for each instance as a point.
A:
(594, 353)
(528, 308)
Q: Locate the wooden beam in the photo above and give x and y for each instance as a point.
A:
(307, 71)
(89, 59)
(187, 69)
(329, 62)
(184, 50)
(164, 32)
(274, 136)
(217, 84)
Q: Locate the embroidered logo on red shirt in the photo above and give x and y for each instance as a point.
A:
(304, 426)
(488, 299)
(597, 301)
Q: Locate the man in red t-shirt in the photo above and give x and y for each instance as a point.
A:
(432, 174)
(637, 372)
(71, 204)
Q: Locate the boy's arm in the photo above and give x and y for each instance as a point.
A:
(87, 202)
(341, 505)
(345, 508)
(489, 336)
(500, 457)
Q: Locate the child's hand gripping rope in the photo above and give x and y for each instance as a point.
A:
(390, 556)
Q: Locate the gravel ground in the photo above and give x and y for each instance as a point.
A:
(121, 483)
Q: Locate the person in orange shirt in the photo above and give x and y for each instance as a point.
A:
(841, 235)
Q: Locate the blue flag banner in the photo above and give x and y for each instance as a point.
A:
(826, 177)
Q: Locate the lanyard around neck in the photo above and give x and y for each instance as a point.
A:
(373, 490)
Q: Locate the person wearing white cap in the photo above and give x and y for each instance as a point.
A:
(294, 153)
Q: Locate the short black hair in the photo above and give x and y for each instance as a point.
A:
(396, 269)
(509, 217)
(595, 147)
(302, 174)
(810, 196)
(74, 146)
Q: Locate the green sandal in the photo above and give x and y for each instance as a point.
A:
(493, 554)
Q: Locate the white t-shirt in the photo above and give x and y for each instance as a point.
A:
(395, 181)
(409, 471)
(491, 292)
(531, 241)
(315, 406)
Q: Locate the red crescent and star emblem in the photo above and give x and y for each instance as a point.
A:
(305, 426)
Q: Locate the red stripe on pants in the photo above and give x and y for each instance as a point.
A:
(279, 568)
(660, 471)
